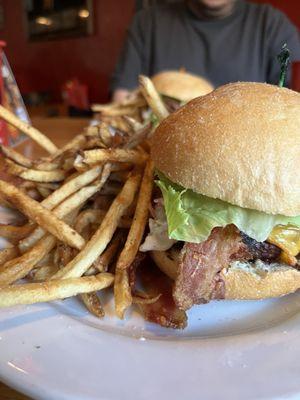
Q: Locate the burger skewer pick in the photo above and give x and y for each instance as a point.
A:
(284, 60)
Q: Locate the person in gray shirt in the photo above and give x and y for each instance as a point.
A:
(221, 40)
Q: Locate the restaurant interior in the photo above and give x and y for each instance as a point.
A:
(57, 60)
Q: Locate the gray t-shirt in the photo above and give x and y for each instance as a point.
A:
(240, 47)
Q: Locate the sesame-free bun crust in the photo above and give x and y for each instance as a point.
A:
(181, 85)
(240, 144)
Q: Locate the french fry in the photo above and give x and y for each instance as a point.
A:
(46, 165)
(15, 233)
(68, 205)
(117, 122)
(94, 143)
(13, 155)
(114, 111)
(34, 174)
(91, 216)
(43, 217)
(103, 261)
(122, 292)
(43, 273)
(53, 200)
(19, 267)
(33, 133)
(44, 192)
(97, 244)
(30, 293)
(71, 187)
(153, 98)
(134, 100)
(134, 124)
(8, 254)
(105, 134)
(139, 137)
(75, 144)
(113, 155)
(92, 303)
(63, 254)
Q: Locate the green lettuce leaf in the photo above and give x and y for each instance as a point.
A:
(192, 216)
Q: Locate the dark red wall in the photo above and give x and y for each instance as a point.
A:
(45, 66)
(289, 7)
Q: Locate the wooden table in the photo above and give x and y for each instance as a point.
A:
(7, 393)
(60, 130)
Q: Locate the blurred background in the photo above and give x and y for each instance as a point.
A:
(63, 48)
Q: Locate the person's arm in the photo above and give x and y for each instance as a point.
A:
(281, 30)
(131, 62)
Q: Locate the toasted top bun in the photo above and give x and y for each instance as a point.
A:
(181, 85)
(240, 144)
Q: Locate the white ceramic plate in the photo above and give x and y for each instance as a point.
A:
(230, 350)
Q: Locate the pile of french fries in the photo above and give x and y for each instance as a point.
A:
(84, 208)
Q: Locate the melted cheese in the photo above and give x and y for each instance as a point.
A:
(287, 238)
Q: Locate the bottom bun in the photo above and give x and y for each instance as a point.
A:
(243, 280)
(254, 281)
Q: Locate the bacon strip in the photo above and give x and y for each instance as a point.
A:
(163, 311)
(198, 280)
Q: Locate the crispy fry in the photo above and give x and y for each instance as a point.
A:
(44, 272)
(114, 111)
(70, 204)
(36, 212)
(8, 254)
(75, 144)
(139, 137)
(134, 101)
(30, 293)
(33, 133)
(15, 233)
(46, 165)
(133, 123)
(113, 155)
(91, 216)
(44, 192)
(97, 244)
(105, 134)
(153, 98)
(19, 267)
(94, 143)
(92, 303)
(117, 122)
(122, 292)
(103, 261)
(13, 155)
(34, 174)
(71, 186)
(63, 254)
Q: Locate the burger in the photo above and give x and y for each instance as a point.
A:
(179, 87)
(226, 220)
